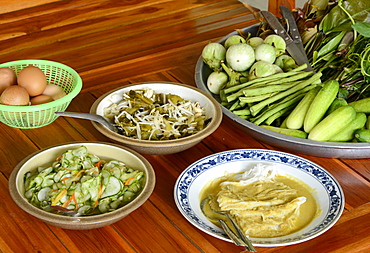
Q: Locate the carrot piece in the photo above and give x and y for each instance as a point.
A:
(100, 192)
(67, 202)
(74, 200)
(59, 197)
(128, 181)
(64, 179)
(99, 164)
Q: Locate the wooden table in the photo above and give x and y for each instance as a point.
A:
(113, 43)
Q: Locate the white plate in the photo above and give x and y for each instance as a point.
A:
(328, 193)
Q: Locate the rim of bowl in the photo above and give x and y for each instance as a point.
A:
(95, 219)
(211, 127)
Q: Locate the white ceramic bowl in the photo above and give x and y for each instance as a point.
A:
(187, 92)
(103, 150)
(328, 192)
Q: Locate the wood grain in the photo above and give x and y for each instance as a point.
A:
(114, 43)
(16, 5)
(21, 232)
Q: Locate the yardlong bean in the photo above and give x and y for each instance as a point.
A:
(253, 99)
(277, 108)
(254, 91)
(274, 77)
(277, 115)
(259, 106)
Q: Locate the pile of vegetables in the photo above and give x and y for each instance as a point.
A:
(268, 88)
(81, 181)
(336, 36)
(148, 115)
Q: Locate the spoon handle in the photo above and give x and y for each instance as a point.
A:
(66, 211)
(237, 241)
(240, 232)
(80, 115)
(93, 117)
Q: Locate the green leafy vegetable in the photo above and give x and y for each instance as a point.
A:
(338, 45)
(344, 14)
(362, 28)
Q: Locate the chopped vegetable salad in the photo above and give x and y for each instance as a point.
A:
(81, 181)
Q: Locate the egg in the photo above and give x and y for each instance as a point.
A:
(7, 78)
(15, 95)
(33, 80)
(41, 99)
(54, 91)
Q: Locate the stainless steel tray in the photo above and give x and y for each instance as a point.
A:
(293, 144)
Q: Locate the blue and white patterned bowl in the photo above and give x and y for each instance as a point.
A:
(327, 191)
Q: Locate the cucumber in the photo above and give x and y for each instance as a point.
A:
(320, 104)
(113, 187)
(85, 178)
(362, 105)
(347, 133)
(91, 187)
(338, 102)
(43, 194)
(59, 175)
(283, 124)
(363, 135)
(296, 117)
(291, 132)
(45, 172)
(36, 182)
(84, 209)
(48, 180)
(104, 205)
(332, 124)
(128, 196)
(367, 125)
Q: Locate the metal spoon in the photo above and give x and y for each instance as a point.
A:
(66, 211)
(93, 117)
(237, 241)
(241, 239)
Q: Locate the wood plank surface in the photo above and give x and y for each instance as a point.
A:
(114, 43)
(16, 5)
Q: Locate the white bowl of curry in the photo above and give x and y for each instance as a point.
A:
(277, 198)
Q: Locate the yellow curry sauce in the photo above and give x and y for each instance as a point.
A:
(264, 209)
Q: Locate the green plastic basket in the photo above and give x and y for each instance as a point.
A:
(27, 117)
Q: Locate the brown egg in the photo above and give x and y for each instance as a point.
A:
(54, 91)
(7, 78)
(41, 99)
(15, 95)
(33, 80)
